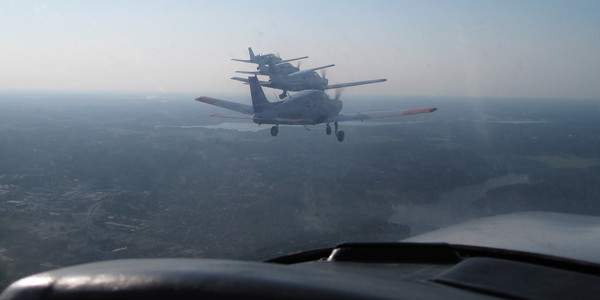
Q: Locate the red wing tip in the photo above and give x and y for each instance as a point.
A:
(217, 115)
(419, 111)
(207, 100)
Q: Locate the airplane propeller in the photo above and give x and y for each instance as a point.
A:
(338, 93)
(324, 73)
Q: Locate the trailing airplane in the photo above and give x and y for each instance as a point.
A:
(302, 80)
(308, 107)
(265, 59)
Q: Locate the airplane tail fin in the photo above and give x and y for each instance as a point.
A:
(252, 56)
(259, 100)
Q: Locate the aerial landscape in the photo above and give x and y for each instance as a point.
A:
(248, 131)
(89, 177)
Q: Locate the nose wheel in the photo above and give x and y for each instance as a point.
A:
(275, 130)
(339, 134)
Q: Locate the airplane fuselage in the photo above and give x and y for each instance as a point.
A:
(299, 82)
(268, 59)
(282, 68)
(306, 107)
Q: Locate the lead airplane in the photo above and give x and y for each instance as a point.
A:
(309, 107)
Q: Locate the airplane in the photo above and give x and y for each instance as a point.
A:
(265, 59)
(303, 80)
(282, 68)
(308, 107)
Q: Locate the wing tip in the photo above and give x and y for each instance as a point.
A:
(420, 111)
(207, 100)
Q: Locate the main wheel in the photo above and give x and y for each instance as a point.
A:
(328, 129)
(340, 136)
(274, 130)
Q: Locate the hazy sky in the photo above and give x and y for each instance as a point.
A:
(424, 48)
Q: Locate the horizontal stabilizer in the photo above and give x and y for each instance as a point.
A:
(242, 60)
(341, 85)
(240, 79)
(249, 72)
(243, 108)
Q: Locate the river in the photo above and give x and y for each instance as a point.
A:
(454, 206)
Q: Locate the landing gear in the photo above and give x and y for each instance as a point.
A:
(328, 129)
(275, 130)
(339, 134)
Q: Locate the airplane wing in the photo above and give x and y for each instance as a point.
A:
(243, 108)
(245, 80)
(379, 114)
(340, 85)
(293, 59)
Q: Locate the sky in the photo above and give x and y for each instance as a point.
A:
(513, 49)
